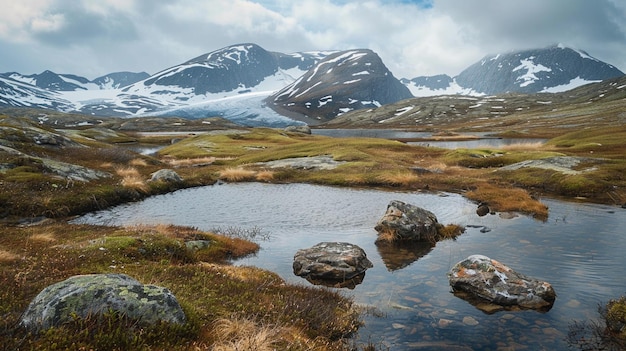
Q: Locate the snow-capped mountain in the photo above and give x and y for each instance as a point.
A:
(196, 88)
(342, 82)
(252, 86)
(119, 79)
(51, 81)
(553, 69)
(15, 93)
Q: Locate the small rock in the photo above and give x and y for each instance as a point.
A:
(483, 209)
(197, 244)
(444, 323)
(469, 320)
(573, 303)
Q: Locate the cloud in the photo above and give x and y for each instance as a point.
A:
(413, 37)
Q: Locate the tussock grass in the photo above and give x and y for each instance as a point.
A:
(186, 162)
(132, 178)
(400, 178)
(6, 256)
(226, 306)
(450, 231)
(138, 162)
(265, 176)
(241, 334)
(508, 200)
(237, 174)
(43, 237)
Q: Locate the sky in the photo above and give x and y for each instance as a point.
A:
(91, 38)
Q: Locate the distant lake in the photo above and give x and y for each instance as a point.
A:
(484, 141)
(579, 250)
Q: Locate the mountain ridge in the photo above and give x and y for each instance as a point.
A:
(555, 68)
(254, 86)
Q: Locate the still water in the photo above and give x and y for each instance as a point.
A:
(478, 143)
(579, 250)
(485, 140)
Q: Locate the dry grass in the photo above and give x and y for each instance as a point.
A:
(265, 176)
(186, 162)
(6, 256)
(241, 334)
(528, 146)
(399, 178)
(387, 235)
(508, 200)
(132, 178)
(138, 162)
(237, 174)
(43, 237)
(450, 231)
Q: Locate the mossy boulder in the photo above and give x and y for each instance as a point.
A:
(93, 295)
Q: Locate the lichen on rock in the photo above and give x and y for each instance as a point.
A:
(94, 295)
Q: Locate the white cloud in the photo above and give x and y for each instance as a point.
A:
(413, 38)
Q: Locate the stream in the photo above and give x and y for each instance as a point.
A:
(579, 250)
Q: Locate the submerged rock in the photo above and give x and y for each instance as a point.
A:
(95, 294)
(331, 262)
(488, 279)
(404, 221)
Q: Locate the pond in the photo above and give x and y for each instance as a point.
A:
(478, 143)
(579, 250)
(484, 139)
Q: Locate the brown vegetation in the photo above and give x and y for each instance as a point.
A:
(226, 306)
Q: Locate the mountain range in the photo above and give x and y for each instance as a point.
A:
(252, 86)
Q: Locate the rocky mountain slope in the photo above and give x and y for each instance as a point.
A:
(307, 87)
(597, 104)
(51, 81)
(552, 69)
(342, 82)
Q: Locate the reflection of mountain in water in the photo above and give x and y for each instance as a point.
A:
(397, 255)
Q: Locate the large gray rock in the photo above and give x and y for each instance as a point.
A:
(95, 294)
(166, 175)
(331, 261)
(404, 221)
(491, 280)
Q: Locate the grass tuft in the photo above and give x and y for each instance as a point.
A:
(132, 178)
(237, 174)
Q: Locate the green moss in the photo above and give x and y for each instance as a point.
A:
(616, 317)
(207, 291)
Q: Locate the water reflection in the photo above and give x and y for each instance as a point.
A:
(398, 255)
(579, 250)
(478, 143)
(371, 133)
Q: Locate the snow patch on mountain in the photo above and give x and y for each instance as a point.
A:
(532, 69)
